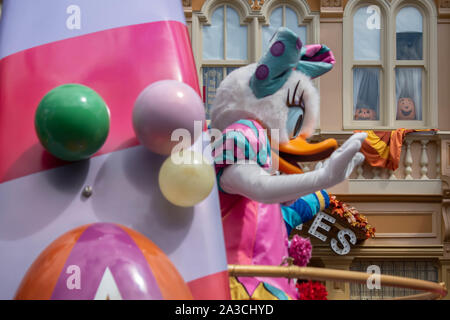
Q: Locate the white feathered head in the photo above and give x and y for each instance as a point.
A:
(278, 93)
(235, 100)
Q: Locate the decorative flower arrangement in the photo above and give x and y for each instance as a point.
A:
(300, 250)
(354, 218)
(311, 290)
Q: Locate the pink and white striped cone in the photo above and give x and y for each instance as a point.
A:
(117, 48)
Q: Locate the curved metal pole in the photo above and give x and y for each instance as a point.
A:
(434, 290)
(420, 296)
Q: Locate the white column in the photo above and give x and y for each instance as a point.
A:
(408, 161)
(360, 171)
(376, 173)
(392, 175)
(424, 160)
(255, 46)
(385, 173)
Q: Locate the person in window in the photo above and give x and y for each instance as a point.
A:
(260, 208)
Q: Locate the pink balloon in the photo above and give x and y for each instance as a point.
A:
(163, 107)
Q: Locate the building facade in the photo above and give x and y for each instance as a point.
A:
(389, 54)
(391, 58)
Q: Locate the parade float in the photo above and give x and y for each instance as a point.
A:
(71, 159)
(93, 203)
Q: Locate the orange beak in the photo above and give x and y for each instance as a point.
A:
(299, 150)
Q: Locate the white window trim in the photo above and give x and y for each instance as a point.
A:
(304, 16)
(429, 64)
(242, 23)
(254, 20)
(387, 77)
(204, 18)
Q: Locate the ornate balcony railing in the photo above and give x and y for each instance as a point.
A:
(419, 171)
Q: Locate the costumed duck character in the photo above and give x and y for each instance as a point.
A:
(251, 105)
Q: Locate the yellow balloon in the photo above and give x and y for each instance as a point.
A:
(185, 178)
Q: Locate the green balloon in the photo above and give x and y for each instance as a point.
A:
(72, 122)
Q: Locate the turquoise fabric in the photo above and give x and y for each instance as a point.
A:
(246, 145)
(303, 210)
(293, 218)
(285, 54)
(240, 141)
(314, 69)
(312, 201)
(277, 63)
(275, 291)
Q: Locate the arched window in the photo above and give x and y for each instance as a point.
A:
(367, 62)
(389, 69)
(282, 16)
(225, 38)
(408, 77)
(224, 48)
(228, 34)
(366, 33)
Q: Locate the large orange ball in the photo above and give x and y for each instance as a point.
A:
(103, 261)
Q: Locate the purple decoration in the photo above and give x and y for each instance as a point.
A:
(277, 49)
(300, 249)
(262, 72)
(106, 245)
(299, 44)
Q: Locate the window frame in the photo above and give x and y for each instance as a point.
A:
(254, 21)
(224, 63)
(388, 104)
(424, 64)
(304, 17)
(301, 21)
(381, 64)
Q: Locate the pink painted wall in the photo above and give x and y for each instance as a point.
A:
(331, 83)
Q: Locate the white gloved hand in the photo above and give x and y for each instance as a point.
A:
(343, 161)
(253, 182)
